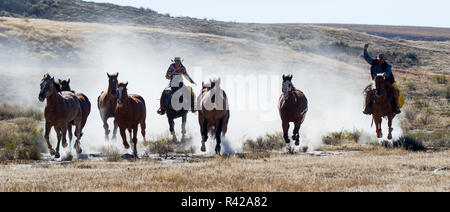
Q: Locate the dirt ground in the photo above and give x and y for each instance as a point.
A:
(371, 169)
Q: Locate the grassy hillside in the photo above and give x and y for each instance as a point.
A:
(75, 30)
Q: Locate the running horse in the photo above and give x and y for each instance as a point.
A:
(381, 100)
(61, 109)
(293, 106)
(179, 110)
(130, 112)
(84, 103)
(213, 113)
(107, 102)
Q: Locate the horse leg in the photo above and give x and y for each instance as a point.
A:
(172, 128)
(218, 136)
(106, 127)
(130, 133)
(48, 127)
(69, 130)
(124, 138)
(115, 130)
(204, 133)
(78, 134)
(378, 126)
(390, 118)
(58, 136)
(296, 135)
(134, 140)
(183, 127)
(286, 131)
(143, 131)
(64, 132)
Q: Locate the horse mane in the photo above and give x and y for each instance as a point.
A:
(57, 86)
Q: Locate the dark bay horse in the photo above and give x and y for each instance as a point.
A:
(382, 105)
(84, 103)
(107, 102)
(180, 110)
(61, 109)
(213, 113)
(293, 106)
(130, 112)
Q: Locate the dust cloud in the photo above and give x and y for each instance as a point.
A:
(251, 77)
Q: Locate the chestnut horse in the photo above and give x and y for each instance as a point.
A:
(61, 109)
(130, 111)
(84, 103)
(293, 106)
(181, 110)
(107, 102)
(382, 105)
(213, 113)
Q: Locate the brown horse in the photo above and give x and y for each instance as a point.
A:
(107, 102)
(84, 103)
(214, 113)
(130, 111)
(61, 109)
(293, 106)
(382, 105)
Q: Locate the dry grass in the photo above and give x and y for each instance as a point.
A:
(376, 169)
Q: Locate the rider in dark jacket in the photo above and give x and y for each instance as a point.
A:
(378, 66)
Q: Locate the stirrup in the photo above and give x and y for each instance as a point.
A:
(397, 111)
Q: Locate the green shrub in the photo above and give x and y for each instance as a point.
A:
(440, 79)
(162, 146)
(21, 139)
(10, 111)
(334, 138)
(434, 139)
(409, 143)
(112, 153)
(269, 142)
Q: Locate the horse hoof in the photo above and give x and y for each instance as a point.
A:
(64, 144)
(297, 143)
(57, 155)
(218, 149)
(390, 137)
(126, 146)
(52, 152)
(203, 149)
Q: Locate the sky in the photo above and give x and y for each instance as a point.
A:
(434, 13)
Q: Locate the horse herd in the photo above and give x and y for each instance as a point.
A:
(66, 108)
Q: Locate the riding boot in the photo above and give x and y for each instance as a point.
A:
(368, 104)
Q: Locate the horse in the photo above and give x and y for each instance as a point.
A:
(213, 112)
(382, 105)
(182, 111)
(84, 103)
(61, 109)
(130, 112)
(293, 107)
(107, 102)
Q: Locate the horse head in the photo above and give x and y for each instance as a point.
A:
(122, 92)
(380, 84)
(112, 83)
(65, 85)
(48, 86)
(287, 87)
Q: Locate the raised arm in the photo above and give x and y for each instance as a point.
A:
(367, 56)
(168, 73)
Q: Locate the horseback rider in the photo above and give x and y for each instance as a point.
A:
(378, 66)
(175, 74)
